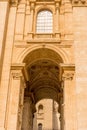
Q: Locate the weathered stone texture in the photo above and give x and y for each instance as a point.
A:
(46, 61)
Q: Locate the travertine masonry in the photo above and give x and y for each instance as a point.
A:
(52, 65)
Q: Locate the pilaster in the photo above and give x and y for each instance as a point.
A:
(31, 18)
(4, 13)
(56, 17)
(68, 13)
(80, 48)
(69, 97)
(15, 98)
(4, 85)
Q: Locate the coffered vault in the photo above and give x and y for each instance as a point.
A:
(42, 67)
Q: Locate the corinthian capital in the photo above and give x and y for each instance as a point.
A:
(67, 75)
(16, 75)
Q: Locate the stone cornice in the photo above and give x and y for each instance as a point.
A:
(75, 3)
(67, 66)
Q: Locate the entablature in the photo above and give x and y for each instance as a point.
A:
(75, 3)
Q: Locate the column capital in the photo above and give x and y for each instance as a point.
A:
(32, 5)
(57, 5)
(19, 70)
(14, 2)
(67, 71)
(67, 76)
(16, 74)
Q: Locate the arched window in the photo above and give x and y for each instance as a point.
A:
(44, 22)
(39, 126)
(40, 108)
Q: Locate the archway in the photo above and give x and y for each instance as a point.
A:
(42, 66)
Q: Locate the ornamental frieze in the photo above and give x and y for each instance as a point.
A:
(79, 2)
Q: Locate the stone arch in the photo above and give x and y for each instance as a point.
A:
(59, 51)
(44, 7)
(43, 84)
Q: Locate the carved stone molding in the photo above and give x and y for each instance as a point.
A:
(19, 70)
(67, 72)
(68, 76)
(14, 2)
(57, 6)
(79, 2)
(32, 6)
(16, 75)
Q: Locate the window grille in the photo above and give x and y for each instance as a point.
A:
(44, 22)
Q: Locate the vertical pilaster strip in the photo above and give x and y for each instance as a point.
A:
(68, 20)
(69, 95)
(31, 18)
(6, 66)
(14, 100)
(19, 29)
(16, 96)
(68, 98)
(80, 49)
(56, 18)
(4, 12)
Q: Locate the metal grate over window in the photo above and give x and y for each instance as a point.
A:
(44, 22)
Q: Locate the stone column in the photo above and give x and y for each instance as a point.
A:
(61, 114)
(27, 118)
(16, 85)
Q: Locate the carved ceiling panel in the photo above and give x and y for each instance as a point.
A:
(43, 68)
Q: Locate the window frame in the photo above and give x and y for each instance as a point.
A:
(45, 30)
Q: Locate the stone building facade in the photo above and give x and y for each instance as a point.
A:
(46, 111)
(43, 47)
